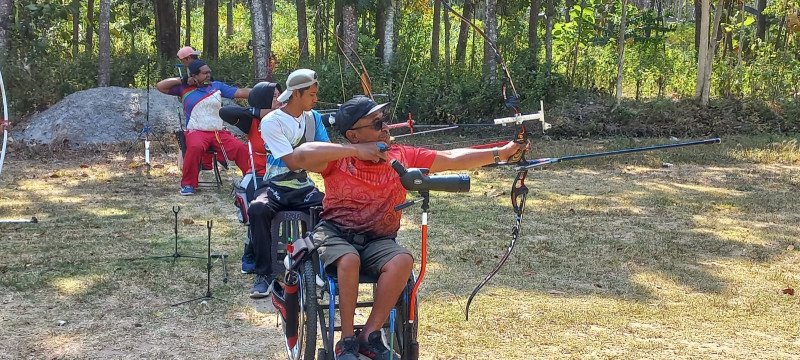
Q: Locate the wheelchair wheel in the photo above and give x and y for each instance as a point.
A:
(405, 336)
(306, 346)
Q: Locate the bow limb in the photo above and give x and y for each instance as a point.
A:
(4, 122)
(518, 195)
(363, 75)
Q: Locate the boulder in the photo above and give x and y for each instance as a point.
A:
(104, 116)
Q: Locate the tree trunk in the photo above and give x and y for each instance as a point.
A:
(447, 44)
(712, 49)
(302, 30)
(269, 9)
(188, 40)
(166, 31)
(398, 20)
(568, 5)
(761, 19)
(621, 47)
(211, 29)
(132, 45)
(337, 20)
(388, 35)
(489, 55)
(179, 19)
(463, 33)
(349, 28)
(89, 27)
(318, 39)
(702, 56)
(550, 13)
(698, 15)
(104, 68)
(380, 27)
(76, 26)
(229, 27)
(5, 22)
(258, 30)
(436, 33)
(533, 30)
(577, 44)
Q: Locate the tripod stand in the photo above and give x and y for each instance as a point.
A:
(146, 132)
(176, 255)
(208, 295)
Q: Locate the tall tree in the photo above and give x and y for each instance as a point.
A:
(229, 17)
(489, 55)
(302, 30)
(550, 13)
(269, 9)
(533, 29)
(436, 33)
(179, 18)
(211, 29)
(89, 26)
(698, 15)
(104, 68)
(463, 33)
(75, 9)
(621, 49)
(259, 39)
(166, 29)
(349, 27)
(446, 16)
(187, 41)
(5, 22)
(388, 33)
(578, 43)
(708, 47)
(761, 23)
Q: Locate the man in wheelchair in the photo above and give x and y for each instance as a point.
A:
(358, 221)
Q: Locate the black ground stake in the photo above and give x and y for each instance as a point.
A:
(208, 295)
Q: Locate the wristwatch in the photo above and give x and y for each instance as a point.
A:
(496, 155)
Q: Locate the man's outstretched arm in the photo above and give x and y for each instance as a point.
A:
(462, 159)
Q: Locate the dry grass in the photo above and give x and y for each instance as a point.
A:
(618, 258)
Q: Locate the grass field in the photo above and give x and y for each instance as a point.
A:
(618, 258)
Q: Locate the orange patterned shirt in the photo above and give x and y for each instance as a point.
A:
(360, 195)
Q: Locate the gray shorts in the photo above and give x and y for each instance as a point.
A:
(374, 253)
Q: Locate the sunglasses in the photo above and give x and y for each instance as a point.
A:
(377, 124)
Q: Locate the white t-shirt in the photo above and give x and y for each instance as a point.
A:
(282, 133)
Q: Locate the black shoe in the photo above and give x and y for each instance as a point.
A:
(375, 349)
(347, 349)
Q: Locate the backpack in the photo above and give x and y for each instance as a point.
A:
(243, 193)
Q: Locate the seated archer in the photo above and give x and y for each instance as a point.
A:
(359, 222)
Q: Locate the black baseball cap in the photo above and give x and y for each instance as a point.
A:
(353, 110)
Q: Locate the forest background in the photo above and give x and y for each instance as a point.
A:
(668, 64)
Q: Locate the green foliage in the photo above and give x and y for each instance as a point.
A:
(660, 60)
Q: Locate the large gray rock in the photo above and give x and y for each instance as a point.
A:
(104, 115)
